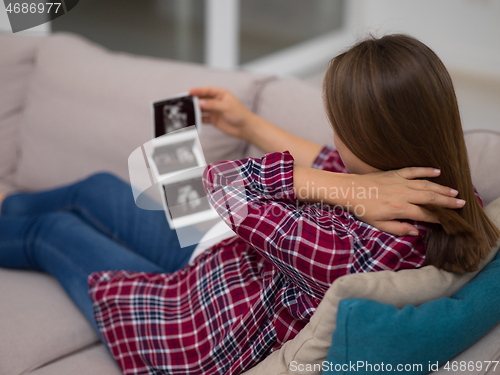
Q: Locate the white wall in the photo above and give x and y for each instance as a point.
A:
(464, 33)
(4, 19)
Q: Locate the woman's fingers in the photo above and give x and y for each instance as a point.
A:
(396, 228)
(428, 192)
(417, 213)
(211, 98)
(435, 199)
(401, 197)
(426, 185)
(411, 173)
(420, 172)
(206, 92)
(212, 105)
(401, 228)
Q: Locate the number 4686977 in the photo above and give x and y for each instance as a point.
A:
(25, 8)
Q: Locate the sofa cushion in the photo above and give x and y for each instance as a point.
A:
(90, 108)
(94, 360)
(38, 322)
(17, 61)
(401, 288)
(420, 338)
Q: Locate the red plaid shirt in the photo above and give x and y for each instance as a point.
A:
(246, 296)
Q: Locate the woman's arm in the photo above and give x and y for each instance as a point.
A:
(311, 243)
(379, 199)
(227, 113)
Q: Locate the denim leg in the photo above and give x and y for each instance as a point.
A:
(62, 245)
(106, 203)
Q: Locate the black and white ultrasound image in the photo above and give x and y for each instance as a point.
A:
(186, 197)
(173, 115)
(175, 157)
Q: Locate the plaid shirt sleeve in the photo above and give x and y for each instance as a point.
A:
(311, 243)
(329, 160)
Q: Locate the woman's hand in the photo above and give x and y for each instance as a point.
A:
(400, 196)
(380, 199)
(222, 109)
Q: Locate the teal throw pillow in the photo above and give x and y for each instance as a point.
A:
(373, 338)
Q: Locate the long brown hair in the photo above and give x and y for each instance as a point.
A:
(391, 101)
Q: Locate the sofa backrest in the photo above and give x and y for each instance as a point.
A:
(295, 105)
(87, 109)
(69, 108)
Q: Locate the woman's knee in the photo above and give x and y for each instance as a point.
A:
(103, 180)
(101, 187)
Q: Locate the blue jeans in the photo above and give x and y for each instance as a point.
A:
(92, 225)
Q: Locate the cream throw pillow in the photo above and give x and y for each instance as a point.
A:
(405, 287)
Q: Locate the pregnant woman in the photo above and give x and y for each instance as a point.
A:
(393, 109)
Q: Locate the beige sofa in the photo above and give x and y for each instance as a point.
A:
(69, 108)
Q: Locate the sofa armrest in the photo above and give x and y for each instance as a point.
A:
(17, 63)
